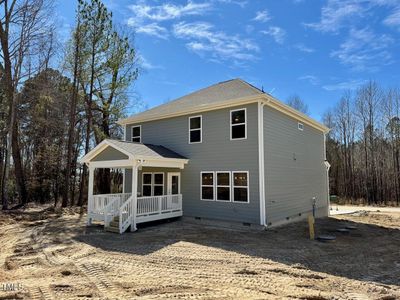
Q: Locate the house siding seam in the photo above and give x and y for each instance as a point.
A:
(216, 152)
(294, 168)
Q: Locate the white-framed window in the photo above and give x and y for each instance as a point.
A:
(152, 184)
(207, 183)
(136, 133)
(300, 126)
(223, 186)
(147, 179)
(195, 129)
(238, 124)
(158, 184)
(240, 185)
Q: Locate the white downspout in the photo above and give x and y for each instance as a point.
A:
(261, 165)
(327, 166)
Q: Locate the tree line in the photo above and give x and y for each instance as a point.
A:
(58, 100)
(363, 145)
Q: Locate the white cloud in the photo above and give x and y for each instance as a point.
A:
(168, 11)
(262, 16)
(147, 17)
(394, 18)
(346, 85)
(337, 14)
(241, 3)
(145, 64)
(153, 29)
(304, 48)
(204, 39)
(277, 33)
(364, 50)
(310, 78)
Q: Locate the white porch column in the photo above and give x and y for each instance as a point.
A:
(90, 194)
(134, 196)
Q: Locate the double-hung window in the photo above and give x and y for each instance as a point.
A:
(152, 184)
(207, 186)
(240, 184)
(137, 134)
(158, 184)
(147, 179)
(238, 124)
(223, 186)
(195, 129)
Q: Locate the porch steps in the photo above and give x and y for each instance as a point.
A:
(114, 225)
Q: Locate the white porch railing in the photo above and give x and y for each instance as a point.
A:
(99, 202)
(158, 204)
(125, 215)
(106, 207)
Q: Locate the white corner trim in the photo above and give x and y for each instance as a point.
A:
(261, 164)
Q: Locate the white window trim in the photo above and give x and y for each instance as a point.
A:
(300, 126)
(201, 129)
(153, 184)
(233, 187)
(245, 124)
(147, 184)
(201, 186)
(228, 186)
(139, 136)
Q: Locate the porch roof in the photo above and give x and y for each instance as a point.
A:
(129, 153)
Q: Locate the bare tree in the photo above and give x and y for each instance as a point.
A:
(297, 103)
(24, 25)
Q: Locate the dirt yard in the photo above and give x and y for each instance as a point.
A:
(48, 255)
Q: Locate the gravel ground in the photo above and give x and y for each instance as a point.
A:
(49, 255)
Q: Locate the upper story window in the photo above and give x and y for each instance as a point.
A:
(195, 129)
(238, 124)
(137, 133)
(300, 126)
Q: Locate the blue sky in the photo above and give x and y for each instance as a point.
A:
(315, 49)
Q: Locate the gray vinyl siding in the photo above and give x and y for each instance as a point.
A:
(216, 153)
(294, 167)
(110, 153)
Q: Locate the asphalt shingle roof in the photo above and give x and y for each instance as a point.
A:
(138, 149)
(231, 90)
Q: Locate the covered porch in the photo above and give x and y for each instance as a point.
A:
(151, 184)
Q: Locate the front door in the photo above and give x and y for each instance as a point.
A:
(174, 183)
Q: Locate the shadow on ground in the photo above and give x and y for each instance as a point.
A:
(369, 253)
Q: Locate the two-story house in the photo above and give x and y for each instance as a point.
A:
(227, 152)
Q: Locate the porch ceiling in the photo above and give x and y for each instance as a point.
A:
(113, 154)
